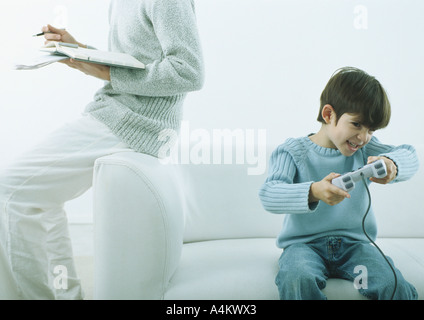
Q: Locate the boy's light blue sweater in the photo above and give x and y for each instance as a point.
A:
(297, 163)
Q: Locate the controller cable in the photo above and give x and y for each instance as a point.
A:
(369, 238)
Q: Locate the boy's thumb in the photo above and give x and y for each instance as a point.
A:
(331, 176)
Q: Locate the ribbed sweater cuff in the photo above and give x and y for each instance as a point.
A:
(406, 162)
(287, 198)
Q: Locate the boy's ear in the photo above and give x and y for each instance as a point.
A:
(327, 113)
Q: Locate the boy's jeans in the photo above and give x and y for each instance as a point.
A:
(305, 268)
(35, 247)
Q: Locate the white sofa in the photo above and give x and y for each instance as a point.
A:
(198, 231)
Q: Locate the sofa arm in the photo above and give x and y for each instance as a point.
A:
(138, 226)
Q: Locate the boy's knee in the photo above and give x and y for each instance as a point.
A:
(402, 290)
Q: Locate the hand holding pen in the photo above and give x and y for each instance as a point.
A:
(51, 33)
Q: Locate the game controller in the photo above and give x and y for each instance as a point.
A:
(347, 181)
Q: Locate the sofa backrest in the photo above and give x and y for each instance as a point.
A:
(221, 202)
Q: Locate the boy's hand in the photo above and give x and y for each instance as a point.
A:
(326, 191)
(391, 170)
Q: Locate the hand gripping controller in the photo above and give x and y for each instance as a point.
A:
(347, 181)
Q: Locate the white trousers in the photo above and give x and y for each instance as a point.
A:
(35, 247)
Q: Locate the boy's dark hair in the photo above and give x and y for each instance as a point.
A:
(351, 90)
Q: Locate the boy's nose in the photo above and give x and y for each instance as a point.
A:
(363, 137)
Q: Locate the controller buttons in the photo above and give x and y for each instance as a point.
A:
(378, 165)
(381, 172)
(346, 179)
(349, 185)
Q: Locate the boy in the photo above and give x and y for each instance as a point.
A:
(322, 234)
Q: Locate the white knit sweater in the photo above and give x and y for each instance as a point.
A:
(138, 104)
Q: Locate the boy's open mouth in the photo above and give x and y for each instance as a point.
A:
(352, 146)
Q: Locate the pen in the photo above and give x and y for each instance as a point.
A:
(39, 34)
(43, 33)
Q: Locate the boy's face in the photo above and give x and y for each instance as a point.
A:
(348, 135)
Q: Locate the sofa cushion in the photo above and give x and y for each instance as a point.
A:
(226, 269)
(242, 269)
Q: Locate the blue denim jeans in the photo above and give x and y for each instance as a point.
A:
(305, 267)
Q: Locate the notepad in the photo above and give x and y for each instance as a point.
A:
(31, 63)
(92, 55)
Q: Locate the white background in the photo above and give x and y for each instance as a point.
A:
(267, 62)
